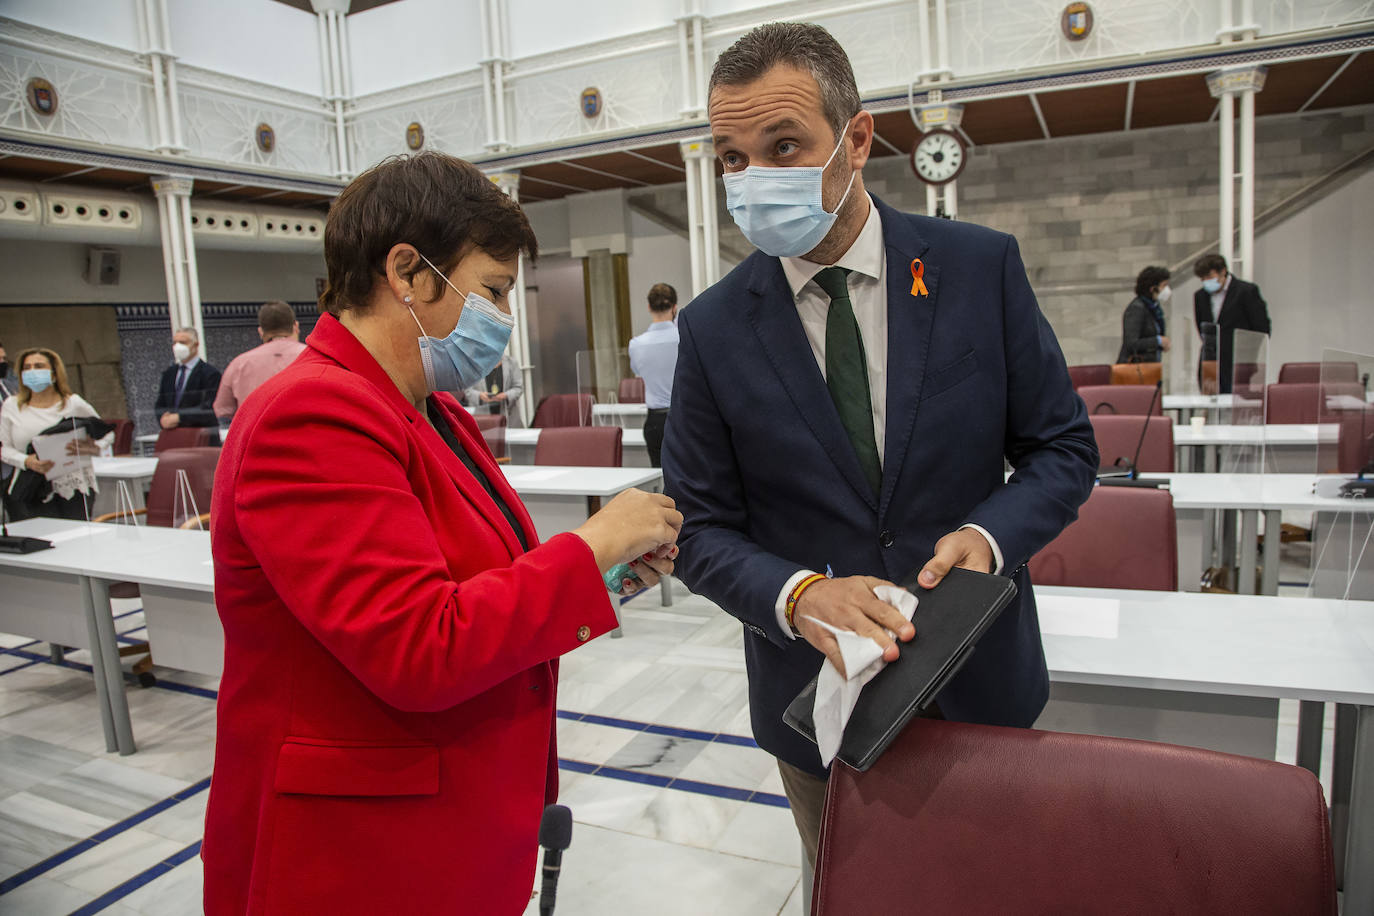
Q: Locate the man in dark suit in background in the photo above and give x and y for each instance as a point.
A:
(845, 398)
(1229, 304)
(186, 396)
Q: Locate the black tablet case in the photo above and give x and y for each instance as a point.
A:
(950, 619)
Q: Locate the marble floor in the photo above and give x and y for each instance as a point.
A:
(666, 788)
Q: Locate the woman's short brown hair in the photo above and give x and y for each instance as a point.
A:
(59, 374)
(442, 205)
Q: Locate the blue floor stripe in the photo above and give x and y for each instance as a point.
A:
(139, 880)
(672, 731)
(114, 830)
(669, 782)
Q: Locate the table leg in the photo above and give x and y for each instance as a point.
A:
(1359, 843)
(1273, 544)
(1342, 773)
(665, 590)
(1209, 538)
(102, 699)
(108, 647)
(1210, 455)
(1311, 715)
(1249, 534)
(1227, 547)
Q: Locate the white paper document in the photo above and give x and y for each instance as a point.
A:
(54, 448)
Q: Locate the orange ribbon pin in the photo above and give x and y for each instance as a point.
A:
(918, 285)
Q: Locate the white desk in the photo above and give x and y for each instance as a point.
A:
(1221, 646)
(1250, 495)
(630, 416)
(520, 445)
(1288, 446)
(562, 498)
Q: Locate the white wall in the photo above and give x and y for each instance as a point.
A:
(112, 22)
(255, 39)
(656, 256)
(38, 273)
(1314, 271)
(413, 40)
(538, 26)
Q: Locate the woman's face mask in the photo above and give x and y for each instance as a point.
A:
(471, 350)
(37, 380)
(779, 210)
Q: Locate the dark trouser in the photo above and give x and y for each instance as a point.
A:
(76, 509)
(654, 424)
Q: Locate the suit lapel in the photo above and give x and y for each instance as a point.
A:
(772, 312)
(909, 323)
(1228, 301)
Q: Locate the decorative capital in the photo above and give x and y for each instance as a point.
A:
(929, 117)
(173, 185)
(331, 6)
(1240, 79)
(698, 149)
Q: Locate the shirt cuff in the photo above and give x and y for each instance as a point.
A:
(781, 606)
(992, 542)
(1159, 340)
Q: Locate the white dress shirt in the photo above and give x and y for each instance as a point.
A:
(1218, 298)
(653, 357)
(866, 261)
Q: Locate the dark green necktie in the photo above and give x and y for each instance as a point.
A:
(846, 373)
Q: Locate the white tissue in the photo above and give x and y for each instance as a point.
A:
(863, 658)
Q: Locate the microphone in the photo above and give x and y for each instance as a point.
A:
(1132, 477)
(555, 835)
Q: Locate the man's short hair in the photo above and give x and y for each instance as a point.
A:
(662, 297)
(276, 317)
(798, 44)
(1207, 264)
(189, 332)
(1148, 279)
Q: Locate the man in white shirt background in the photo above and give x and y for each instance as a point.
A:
(653, 357)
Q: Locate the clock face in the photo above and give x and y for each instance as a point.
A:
(938, 158)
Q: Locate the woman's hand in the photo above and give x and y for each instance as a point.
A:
(38, 467)
(630, 526)
(83, 447)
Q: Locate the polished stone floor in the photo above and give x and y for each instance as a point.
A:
(676, 810)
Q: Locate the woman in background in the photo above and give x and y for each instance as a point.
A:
(1143, 337)
(44, 400)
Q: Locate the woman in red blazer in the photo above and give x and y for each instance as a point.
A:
(386, 716)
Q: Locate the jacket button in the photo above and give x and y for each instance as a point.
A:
(886, 538)
(584, 633)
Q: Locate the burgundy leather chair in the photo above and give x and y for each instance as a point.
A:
(563, 410)
(493, 428)
(580, 446)
(1094, 374)
(124, 436)
(631, 391)
(1124, 537)
(1117, 438)
(186, 437)
(1319, 372)
(1305, 402)
(1123, 400)
(974, 820)
(1355, 446)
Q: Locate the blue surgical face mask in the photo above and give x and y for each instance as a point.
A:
(471, 350)
(1212, 285)
(779, 210)
(37, 380)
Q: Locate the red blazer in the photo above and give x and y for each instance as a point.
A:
(386, 716)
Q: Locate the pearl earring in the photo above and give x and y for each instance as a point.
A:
(407, 299)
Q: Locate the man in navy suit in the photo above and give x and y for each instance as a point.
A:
(186, 393)
(1224, 305)
(844, 400)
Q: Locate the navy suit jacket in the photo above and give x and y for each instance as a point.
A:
(197, 397)
(762, 469)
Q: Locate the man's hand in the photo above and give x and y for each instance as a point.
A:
(484, 397)
(849, 604)
(170, 420)
(499, 397)
(965, 548)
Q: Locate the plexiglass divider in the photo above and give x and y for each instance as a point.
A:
(1342, 564)
(598, 374)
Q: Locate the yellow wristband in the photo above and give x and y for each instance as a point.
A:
(795, 596)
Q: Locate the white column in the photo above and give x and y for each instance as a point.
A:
(509, 182)
(1224, 86)
(1247, 182)
(1227, 166)
(179, 253)
(169, 64)
(334, 73)
(692, 153)
(710, 236)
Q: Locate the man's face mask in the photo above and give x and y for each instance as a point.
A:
(779, 210)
